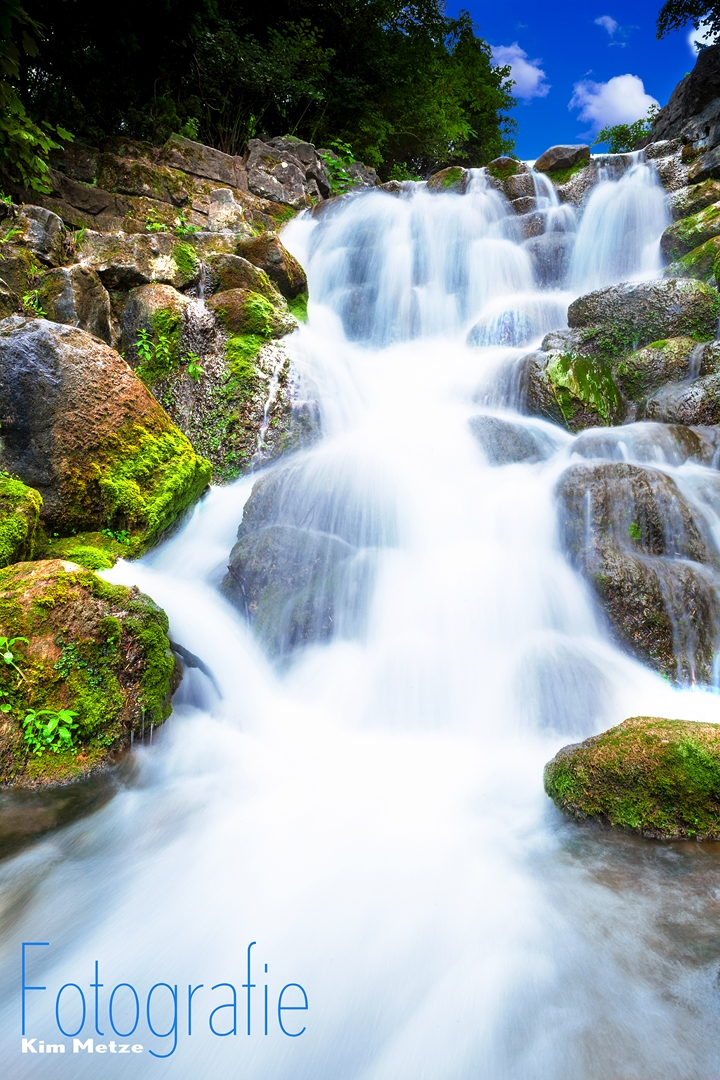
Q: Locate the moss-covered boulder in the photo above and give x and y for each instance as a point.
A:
(501, 168)
(97, 650)
(661, 362)
(452, 180)
(76, 296)
(621, 318)
(124, 262)
(571, 389)
(690, 232)
(155, 313)
(241, 311)
(653, 569)
(268, 254)
(42, 233)
(81, 428)
(690, 200)
(656, 777)
(698, 263)
(694, 403)
(558, 159)
(224, 272)
(20, 508)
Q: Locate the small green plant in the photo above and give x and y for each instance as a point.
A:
(183, 227)
(31, 303)
(194, 368)
(49, 729)
(337, 163)
(6, 652)
(190, 128)
(121, 536)
(149, 350)
(80, 236)
(634, 530)
(154, 224)
(400, 171)
(7, 199)
(621, 138)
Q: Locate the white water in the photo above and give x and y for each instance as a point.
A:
(374, 816)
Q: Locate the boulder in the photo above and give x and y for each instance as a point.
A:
(268, 254)
(42, 233)
(159, 311)
(453, 180)
(125, 173)
(519, 186)
(622, 318)
(659, 778)
(689, 233)
(202, 161)
(558, 158)
(224, 213)
(551, 254)
(570, 389)
(698, 263)
(505, 442)
(123, 262)
(18, 269)
(693, 95)
(691, 200)
(82, 429)
(223, 272)
(652, 568)
(672, 444)
(100, 651)
(502, 168)
(276, 174)
(241, 311)
(646, 370)
(697, 402)
(20, 508)
(75, 295)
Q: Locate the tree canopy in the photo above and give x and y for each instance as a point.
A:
(407, 86)
(674, 14)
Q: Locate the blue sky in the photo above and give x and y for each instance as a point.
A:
(580, 66)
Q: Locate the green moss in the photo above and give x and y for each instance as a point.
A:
(561, 176)
(298, 307)
(501, 169)
(93, 550)
(98, 649)
(148, 479)
(691, 232)
(644, 371)
(186, 259)
(699, 263)
(661, 777)
(20, 507)
(580, 383)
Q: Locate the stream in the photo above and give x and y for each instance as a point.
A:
(368, 809)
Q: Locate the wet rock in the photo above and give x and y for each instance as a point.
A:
(652, 443)
(526, 204)
(691, 200)
(685, 235)
(571, 389)
(241, 311)
(449, 180)
(622, 318)
(82, 429)
(519, 186)
(20, 508)
(17, 272)
(696, 402)
(557, 158)
(268, 254)
(75, 295)
(646, 370)
(636, 540)
(551, 254)
(656, 777)
(98, 650)
(502, 168)
(698, 263)
(504, 442)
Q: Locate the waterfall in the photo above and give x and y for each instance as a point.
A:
(366, 804)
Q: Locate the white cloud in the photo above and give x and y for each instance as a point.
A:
(608, 23)
(621, 100)
(703, 35)
(528, 76)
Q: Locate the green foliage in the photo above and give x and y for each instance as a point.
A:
(49, 729)
(194, 368)
(402, 84)
(158, 351)
(154, 224)
(336, 163)
(31, 303)
(6, 652)
(634, 530)
(674, 14)
(183, 226)
(120, 536)
(621, 138)
(400, 171)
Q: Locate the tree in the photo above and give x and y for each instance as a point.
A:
(674, 14)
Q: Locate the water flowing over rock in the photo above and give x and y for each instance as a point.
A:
(654, 571)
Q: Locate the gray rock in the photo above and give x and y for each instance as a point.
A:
(276, 174)
(224, 213)
(504, 442)
(693, 95)
(125, 261)
(519, 185)
(526, 204)
(233, 272)
(645, 371)
(551, 254)
(632, 315)
(75, 295)
(696, 402)
(268, 254)
(654, 572)
(562, 157)
(43, 233)
(202, 161)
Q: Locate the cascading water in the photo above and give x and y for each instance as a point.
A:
(369, 808)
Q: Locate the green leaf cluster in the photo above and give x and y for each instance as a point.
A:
(621, 138)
